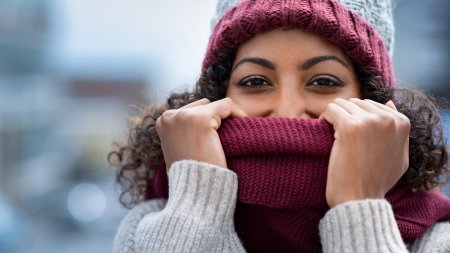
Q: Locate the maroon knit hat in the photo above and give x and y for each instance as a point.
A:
(353, 34)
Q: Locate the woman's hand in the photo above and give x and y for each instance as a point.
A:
(190, 132)
(370, 152)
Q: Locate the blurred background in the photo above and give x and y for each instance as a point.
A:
(69, 71)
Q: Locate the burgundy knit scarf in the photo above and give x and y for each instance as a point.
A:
(281, 166)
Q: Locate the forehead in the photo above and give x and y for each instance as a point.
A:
(295, 42)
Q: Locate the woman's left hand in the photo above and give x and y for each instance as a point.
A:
(370, 151)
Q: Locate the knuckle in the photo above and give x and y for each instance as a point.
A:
(354, 100)
(165, 116)
(181, 115)
(164, 119)
(158, 124)
(384, 120)
(337, 100)
(371, 120)
(330, 106)
(227, 100)
(406, 165)
(404, 122)
(362, 125)
(206, 100)
(195, 119)
(188, 117)
(353, 127)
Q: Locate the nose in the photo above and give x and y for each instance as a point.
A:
(290, 105)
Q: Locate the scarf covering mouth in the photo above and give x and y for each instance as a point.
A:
(281, 165)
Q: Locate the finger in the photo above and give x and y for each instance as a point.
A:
(203, 101)
(222, 109)
(237, 109)
(350, 106)
(226, 107)
(381, 106)
(391, 105)
(335, 114)
(370, 106)
(406, 156)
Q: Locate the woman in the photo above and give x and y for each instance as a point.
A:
(253, 164)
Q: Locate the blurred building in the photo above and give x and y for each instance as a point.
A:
(56, 128)
(422, 45)
(23, 26)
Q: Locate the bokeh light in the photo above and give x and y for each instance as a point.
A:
(86, 202)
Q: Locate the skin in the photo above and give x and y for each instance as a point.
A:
(291, 86)
(296, 74)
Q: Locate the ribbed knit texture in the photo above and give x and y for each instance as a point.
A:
(281, 166)
(342, 224)
(160, 235)
(353, 34)
(125, 240)
(378, 13)
(195, 190)
(436, 240)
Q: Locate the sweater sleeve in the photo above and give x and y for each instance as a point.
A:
(124, 241)
(198, 216)
(369, 226)
(435, 240)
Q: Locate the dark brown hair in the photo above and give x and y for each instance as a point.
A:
(138, 159)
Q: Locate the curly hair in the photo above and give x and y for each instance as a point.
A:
(138, 159)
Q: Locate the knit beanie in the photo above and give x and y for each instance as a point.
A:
(363, 29)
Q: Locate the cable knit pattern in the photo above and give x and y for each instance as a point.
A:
(353, 34)
(282, 165)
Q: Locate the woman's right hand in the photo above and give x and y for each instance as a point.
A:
(190, 132)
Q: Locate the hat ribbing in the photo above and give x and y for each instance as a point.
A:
(377, 12)
(345, 28)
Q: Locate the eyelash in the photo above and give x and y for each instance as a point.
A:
(243, 82)
(335, 82)
(262, 82)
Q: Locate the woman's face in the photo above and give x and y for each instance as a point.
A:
(290, 73)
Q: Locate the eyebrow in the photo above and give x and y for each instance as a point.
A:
(315, 60)
(306, 65)
(256, 60)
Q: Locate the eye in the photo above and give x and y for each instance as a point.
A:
(326, 82)
(253, 82)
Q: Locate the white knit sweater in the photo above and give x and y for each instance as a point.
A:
(198, 217)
